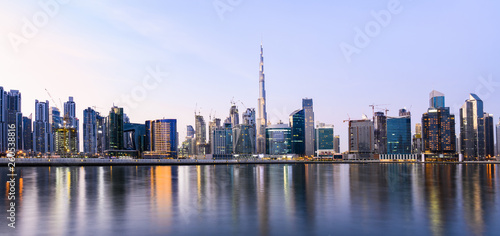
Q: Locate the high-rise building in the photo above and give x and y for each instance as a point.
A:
(3, 120)
(201, 134)
(472, 142)
(89, 131)
(336, 144)
(27, 135)
(399, 134)
(498, 138)
(361, 139)
(417, 139)
(70, 120)
(249, 117)
(307, 106)
(278, 139)
(212, 125)
(42, 131)
(134, 138)
(114, 130)
(243, 139)
(190, 131)
(325, 141)
(262, 115)
(161, 138)
(14, 115)
(438, 129)
(489, 136)
(234, 115)
(101, 133)
(222, 145)
(380, 132)
(297, 125)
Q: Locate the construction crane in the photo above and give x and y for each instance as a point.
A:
(52, 99)
(348, 117)
(373, 105)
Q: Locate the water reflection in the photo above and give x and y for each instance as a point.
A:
(395, 199)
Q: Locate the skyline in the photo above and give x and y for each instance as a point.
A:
(210, 60)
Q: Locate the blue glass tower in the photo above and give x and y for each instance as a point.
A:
(297, 124)
(399, 135)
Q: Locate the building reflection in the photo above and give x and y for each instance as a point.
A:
(161, 195)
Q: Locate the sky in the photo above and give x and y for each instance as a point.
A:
(166, 59)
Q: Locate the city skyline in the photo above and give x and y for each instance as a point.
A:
(110, 60)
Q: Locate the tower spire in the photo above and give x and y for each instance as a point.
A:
(262, 116)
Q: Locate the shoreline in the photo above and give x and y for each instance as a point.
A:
(42, 162)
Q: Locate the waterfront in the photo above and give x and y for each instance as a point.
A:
(278, 199)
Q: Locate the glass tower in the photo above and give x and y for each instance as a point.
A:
(297, 125)
(399, 135)
(278, 139)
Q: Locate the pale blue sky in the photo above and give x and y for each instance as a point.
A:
(98, 51)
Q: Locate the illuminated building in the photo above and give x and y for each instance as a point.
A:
(472, 139)
(399, 134)
(325, 141)
(278, 139)
(161, 138)
(297, 126)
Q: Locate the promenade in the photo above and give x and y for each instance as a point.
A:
(132, 162)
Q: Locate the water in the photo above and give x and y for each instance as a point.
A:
(316, 199)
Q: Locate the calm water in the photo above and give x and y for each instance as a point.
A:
(324, 199)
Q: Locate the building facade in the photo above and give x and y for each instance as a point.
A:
(361, 139)
(261, 121)
(297, 125)
(42, 130)
(89, 131)
(325, 141)
(380, 132)
(399, 135)
(278, 139)
(472, 132)
(161, 138)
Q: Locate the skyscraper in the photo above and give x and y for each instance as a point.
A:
(336, 144)
(307, 106)
(234, 115)
(361, 139)
(417, 139)
(498, 138)
(70, 120)
(438, 129)
(489, 136)
(399, 134)
(278, 139)
(3, 120)
(27, 135)
(297, 125)
(201, 134)
(42, 132)
(14, 115)
(190, 131)
(243, 139)
(262, 115)
(101, 133)
(89, 131)
(161, 135)
(472, 139)
(380, 132)
(114, 129)
(325, 140)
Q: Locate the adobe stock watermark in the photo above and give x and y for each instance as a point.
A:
(139, 93)
(30, 28)
(224, 6)
(11, 196)
(363, 36)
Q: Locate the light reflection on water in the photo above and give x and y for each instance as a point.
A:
(313, 199)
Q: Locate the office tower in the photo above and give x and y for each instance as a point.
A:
(361, 139)
(114, 129)
(3, 120)
(212, 125)
(27, 135)
(243, 139)
(14, 115)
(161, 136)
(399, 133)
(65, 141)
(498, 138)
(307, 106)
(201, 134)
(89, 131)
(436, 99)
(222, 145)
(417, 139)
(190, 131)
(262, 116)
(297, 125)
(380, 132)
(56, 121)
(134, 138)
(336, 144)
(101, 133)
(278, 139)
(489, 137)
(325, 140)
(70, 120)
(42, 131)
(472, 145)
(249, 117)
(438, 129)
(234, 115)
